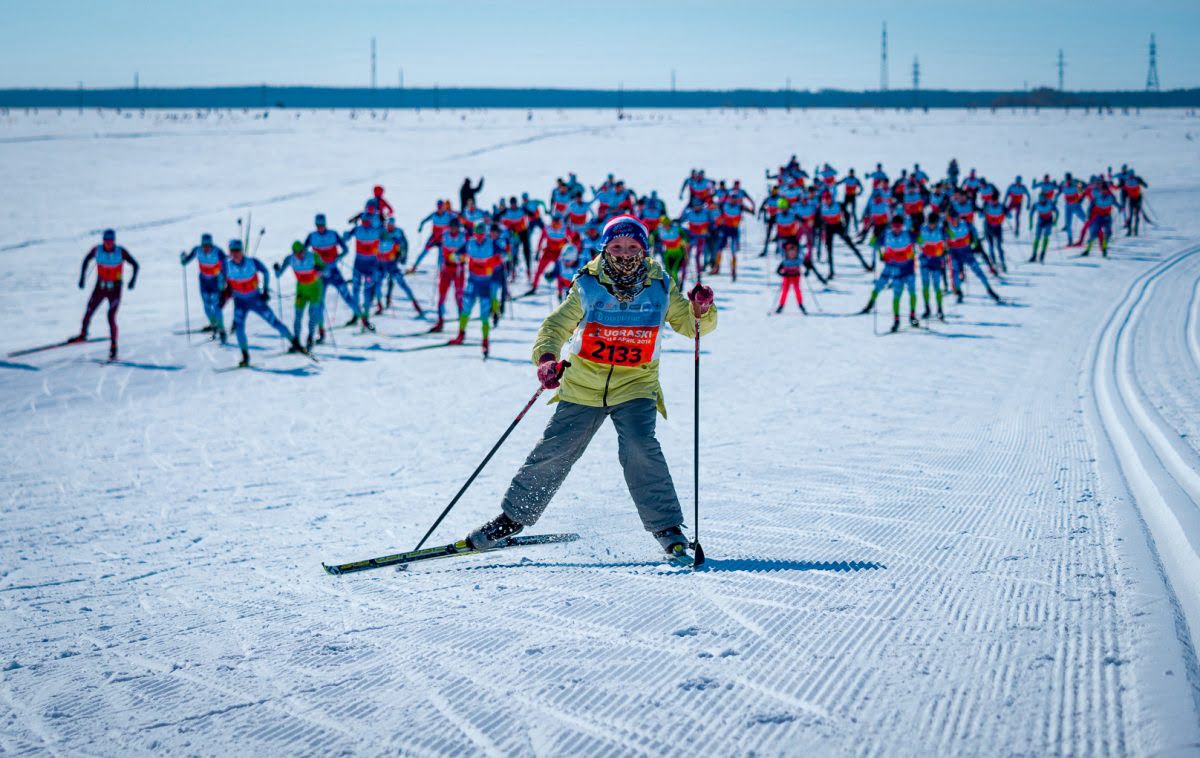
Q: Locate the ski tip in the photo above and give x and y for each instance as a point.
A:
(331, 570)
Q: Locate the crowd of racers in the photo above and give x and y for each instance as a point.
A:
(899, 228)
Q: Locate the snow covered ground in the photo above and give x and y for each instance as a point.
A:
(979, 539)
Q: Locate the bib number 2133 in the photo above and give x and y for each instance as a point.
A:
(619, 345)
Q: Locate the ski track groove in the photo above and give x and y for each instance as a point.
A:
(1156, 470)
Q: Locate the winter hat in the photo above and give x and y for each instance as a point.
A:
(320, 219)
(625, 226)
(206, 239)
(235, 245)
(110, 235)
(297, 247)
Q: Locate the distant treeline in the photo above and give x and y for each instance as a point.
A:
(361, 97)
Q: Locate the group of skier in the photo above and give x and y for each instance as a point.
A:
(379, 248)
(907, 221)
(915, 219)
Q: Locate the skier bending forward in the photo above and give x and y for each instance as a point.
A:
(620, 301)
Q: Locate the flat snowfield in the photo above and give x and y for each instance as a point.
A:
(982, 538)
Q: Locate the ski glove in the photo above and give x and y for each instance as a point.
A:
(132, 283)
(550, 371)
(80, 284)
(702, 299)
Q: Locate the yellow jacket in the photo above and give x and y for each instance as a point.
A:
(596, 384)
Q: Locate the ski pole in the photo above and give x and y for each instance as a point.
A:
(279, 299)
(246, 231)
(187, 311)
(329, 319)
(258, 242)
(875, 310)
(697, 551)
(479, 468)
(813, 294)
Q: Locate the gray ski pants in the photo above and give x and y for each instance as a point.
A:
(567, 435)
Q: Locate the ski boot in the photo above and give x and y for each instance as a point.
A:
(912, 320)
(485, 348)
(992, 294)
(367, 325)
(870, 306)
(941, 316)
(352, 321)
(378, 309)
(81, 337)
(308, 344)
(388, 304)
(417, 306)
(112, 352)
(779, 309)
(207, 329)
(245, 361)
(895, 324)
(670, 538)
(495, 319)
(958, 296)
(222, 335)
(925, 315)
(438, 326)
(295, 347)
(462, 336)
(493, 532)
(321, 335)
(802, 308)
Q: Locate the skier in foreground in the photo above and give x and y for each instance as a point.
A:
(621, 299)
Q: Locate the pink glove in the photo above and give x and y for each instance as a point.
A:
(550, 371)
(702, 299)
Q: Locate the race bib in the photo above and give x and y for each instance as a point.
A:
(618, 345)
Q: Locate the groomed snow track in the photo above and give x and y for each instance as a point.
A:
(1134, 358)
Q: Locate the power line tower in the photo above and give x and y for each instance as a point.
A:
(372, 63)
(1061, 65)
(1152, 74)
(883, 67)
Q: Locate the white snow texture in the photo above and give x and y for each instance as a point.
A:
(980, 539)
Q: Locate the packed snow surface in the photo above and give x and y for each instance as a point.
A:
(982, 538)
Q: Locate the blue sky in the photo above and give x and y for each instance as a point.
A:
(718, 45)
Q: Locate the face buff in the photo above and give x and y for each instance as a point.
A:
(628, 274)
